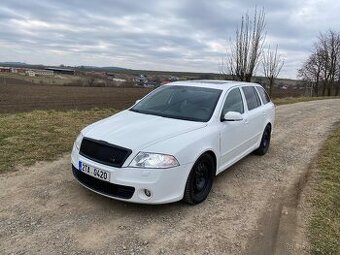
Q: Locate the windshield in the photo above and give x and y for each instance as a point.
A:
(180, 102)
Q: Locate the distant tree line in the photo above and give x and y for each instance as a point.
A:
(321, 70)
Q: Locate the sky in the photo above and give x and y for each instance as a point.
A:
(183, 35)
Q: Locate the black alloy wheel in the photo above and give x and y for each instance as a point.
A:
(200, 180)
(265, 142)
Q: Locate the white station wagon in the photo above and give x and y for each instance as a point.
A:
(170, 145)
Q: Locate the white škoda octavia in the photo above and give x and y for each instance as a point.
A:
(171, 144)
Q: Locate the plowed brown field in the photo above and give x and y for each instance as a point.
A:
(21, 97)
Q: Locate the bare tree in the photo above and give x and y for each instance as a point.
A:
(323, 66)
(337, 84)
(310, 71)
(245, 50)
(272, 64)
(329, 45)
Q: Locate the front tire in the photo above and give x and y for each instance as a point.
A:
(265, 142)
(200, 180)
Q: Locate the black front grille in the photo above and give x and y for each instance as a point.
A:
(103, 152)
(106, 188)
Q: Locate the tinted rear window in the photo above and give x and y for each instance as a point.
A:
(263, 94)
(252, 98)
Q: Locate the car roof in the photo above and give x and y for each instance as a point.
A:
(215, 84)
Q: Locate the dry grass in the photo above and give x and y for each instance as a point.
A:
(292, 100)
(325, 221)
(26, 138)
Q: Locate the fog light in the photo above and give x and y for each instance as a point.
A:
(147, 192)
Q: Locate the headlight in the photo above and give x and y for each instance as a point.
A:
(78, 141)
(153, 160)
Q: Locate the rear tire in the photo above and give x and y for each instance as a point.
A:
(200, 180)
(265, 142)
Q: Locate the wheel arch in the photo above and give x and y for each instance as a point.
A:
(188, 195)
(213, 155)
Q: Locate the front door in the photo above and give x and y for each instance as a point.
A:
(232, 132)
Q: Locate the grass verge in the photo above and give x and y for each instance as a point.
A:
(292, 100)
(324, 226)
(26, 138)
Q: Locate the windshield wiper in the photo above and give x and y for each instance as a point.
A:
(167, 115)
(139, 111)
(134, 110)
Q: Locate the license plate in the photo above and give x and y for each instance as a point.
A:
(93, 171)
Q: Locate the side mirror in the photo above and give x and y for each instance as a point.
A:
(137, 101)
(232, 116)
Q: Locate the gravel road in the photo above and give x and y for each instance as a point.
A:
(43, 210)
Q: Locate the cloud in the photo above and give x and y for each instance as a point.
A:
(184, 35)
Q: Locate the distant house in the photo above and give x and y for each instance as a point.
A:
(110, 75)
(30, 73)
(5, 69)
(150, 85)
(19, 70)
(141, 80)
(118, 80)
(59, 70)
(173, 78)
(36, 72)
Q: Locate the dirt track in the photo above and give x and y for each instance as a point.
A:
(43, 210)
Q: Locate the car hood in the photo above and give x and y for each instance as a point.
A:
(137, 130)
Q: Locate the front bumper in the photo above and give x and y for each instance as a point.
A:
(103, 187)
(129, 184)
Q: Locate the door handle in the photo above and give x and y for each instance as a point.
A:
(246, 121)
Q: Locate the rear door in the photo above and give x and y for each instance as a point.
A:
(254, 117)
(268, 106)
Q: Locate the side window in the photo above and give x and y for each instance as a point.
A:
(263, 94)
(253, 100)
(233, 102)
